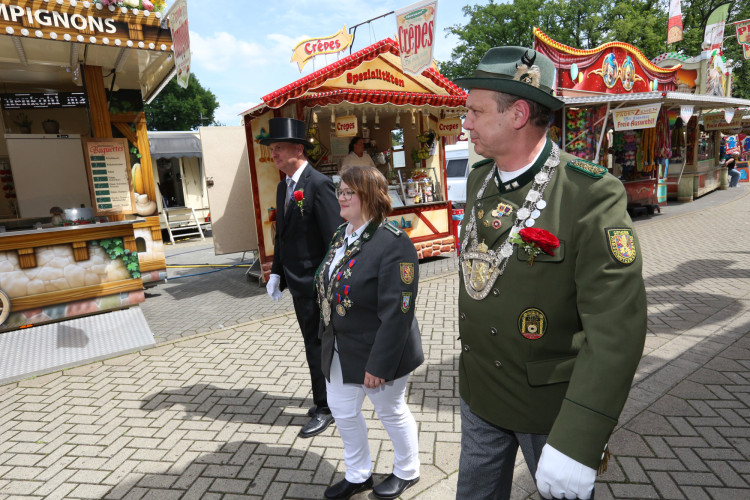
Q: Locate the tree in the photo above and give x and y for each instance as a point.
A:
(176, 108)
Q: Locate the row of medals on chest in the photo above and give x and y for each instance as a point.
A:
(344, 302)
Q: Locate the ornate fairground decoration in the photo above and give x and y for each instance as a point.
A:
(612, 68)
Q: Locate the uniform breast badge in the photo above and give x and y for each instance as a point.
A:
(503, 209)
(532, 323)
(406, 270)
(621, 244)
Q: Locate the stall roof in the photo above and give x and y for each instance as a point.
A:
(134, 48)
(328, 85)
(700, 101)
(174, 144)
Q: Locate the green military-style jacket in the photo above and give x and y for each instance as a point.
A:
(554, 347)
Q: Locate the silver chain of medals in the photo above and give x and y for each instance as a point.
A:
(525, 216)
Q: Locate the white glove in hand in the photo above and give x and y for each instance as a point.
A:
(272, 287)
(559, 476)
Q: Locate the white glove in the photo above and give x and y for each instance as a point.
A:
(272, 287)
(559, 476)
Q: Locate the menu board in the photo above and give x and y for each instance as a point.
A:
(108, 169)
(46, 100)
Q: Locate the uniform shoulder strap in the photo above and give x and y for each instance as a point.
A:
(586, 167)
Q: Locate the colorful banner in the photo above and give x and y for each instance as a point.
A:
(178, 23)
(746, 50)
(743, 31)
(415, 26)
(714, 34)
(307, 49)
(674, 27)
(636, 117)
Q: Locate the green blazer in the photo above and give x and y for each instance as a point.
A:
(554, 347)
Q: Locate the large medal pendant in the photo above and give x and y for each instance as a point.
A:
(479, 274)
(341, 310)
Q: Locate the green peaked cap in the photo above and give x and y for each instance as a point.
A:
(517, 71)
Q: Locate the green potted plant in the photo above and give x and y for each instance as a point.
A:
(24, 123)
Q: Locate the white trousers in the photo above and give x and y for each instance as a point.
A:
(345, 402)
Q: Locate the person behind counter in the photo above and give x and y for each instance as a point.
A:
(357, 155)
(367, 288)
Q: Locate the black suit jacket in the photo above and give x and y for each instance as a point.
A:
(378, 332)
(303, 234)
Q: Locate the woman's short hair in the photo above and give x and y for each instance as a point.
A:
(371, 187)
(354, 141)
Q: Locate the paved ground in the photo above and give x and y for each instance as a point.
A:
(216, 415)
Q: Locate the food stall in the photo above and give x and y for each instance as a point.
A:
(624, 112)
(404, 119)
(79, 230)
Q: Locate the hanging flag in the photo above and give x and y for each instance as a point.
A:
(178, 23)
(746, 50)
(714, 34)
(415, 25)
(674, 28)
(729, 114)
(686, 111)
(743, 31)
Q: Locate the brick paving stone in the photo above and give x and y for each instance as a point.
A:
(216, 415)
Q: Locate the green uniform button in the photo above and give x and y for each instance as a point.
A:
(462, 316)
(493, 331)
(479, 204)
(498, 364)
(467, 348)
(495, 292)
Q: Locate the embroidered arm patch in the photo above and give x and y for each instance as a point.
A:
(621, 244)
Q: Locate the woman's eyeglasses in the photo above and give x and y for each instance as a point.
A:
(345, 193)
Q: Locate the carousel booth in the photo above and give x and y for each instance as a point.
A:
(638, 119)
(79, 230)
(406, 122)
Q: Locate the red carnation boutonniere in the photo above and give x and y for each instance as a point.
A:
(535, 241)
(299, 197)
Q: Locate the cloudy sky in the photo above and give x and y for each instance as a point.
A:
(242, 51)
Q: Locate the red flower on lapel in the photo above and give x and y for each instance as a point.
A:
(299, 197)
(535, 241)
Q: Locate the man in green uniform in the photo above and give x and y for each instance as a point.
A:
(552, 307)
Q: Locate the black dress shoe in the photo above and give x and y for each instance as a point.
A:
(317, 424)
(393, 486)
(312, 411)
(344, 489)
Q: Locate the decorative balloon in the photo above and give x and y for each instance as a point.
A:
(574, 71)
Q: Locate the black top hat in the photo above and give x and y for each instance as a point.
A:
(286, 130)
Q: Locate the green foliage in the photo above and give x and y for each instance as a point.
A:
(176, 108)
(116, 250)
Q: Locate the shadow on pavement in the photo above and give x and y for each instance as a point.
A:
(235, 405)
(237, 467)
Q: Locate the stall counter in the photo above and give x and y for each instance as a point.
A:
(63, 272)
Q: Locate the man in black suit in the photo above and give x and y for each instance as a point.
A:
(307, 216)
